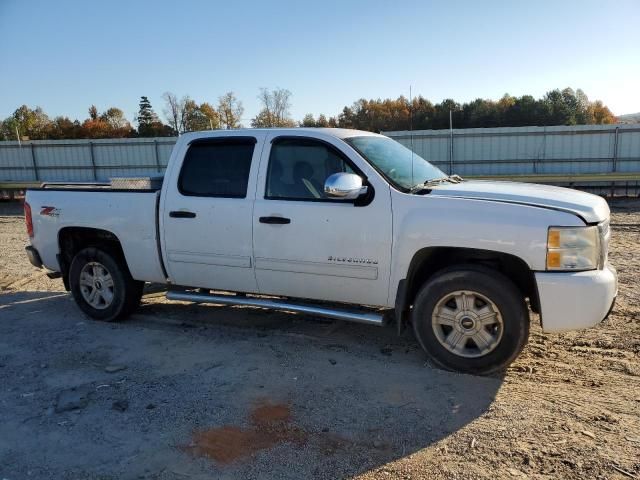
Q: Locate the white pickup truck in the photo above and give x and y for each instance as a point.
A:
(348, 218)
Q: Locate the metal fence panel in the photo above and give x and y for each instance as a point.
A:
(571, 150)
(559, 150)
(83, 160)
(628, 152)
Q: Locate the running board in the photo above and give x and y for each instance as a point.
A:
(368, 318)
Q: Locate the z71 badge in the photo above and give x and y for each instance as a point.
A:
(50, 211)
(366, 261)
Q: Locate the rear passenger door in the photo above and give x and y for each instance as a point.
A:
(207, 214)
(307, 245)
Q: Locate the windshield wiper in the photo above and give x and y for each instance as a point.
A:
(435, 181)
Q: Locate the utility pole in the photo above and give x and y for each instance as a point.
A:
(450, 142)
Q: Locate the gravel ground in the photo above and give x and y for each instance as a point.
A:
(226, 392)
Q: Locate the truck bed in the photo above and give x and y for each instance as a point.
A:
(130, 214)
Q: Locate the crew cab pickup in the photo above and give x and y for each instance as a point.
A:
(341, 223)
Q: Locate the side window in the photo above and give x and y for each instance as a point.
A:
(298, 169)
(214, 168)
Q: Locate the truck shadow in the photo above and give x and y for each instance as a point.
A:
(349, 398)
(261, 394)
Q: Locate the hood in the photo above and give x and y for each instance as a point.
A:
(591, 208)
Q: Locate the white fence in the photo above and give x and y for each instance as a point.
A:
(83, 160)
(586, 155)
(584, 149)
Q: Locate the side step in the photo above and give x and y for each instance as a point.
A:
(368, 318)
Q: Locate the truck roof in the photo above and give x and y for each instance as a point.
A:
(317, 132)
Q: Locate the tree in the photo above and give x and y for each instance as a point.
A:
(64, 128)
(115, 118)
(556, 107)
(601, 114)
(146, 114)
(175, 110)
(199, 117)
(32, 124)
(308, 121)
(584, 112)
(93, 112)
(193, 119)
(110, 124)
(149, 125)
(185, 115)
(211, 114)
(322, 121)
(275, 109)
(230, 110)
(95, 129)
(8, 129)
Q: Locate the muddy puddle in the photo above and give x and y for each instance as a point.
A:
(271, 424)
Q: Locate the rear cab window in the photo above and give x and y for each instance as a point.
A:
(217, 167)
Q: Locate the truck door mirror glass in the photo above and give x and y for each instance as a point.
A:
(346, 186)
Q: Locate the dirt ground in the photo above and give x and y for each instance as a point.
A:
(208, 392)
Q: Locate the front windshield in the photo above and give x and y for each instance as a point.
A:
(395, 161)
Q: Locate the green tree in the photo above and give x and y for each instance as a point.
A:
(149, 125)
(93, 112)
(556, 107)
(31, 124)
(146, 114)
(308, 121)
(322, 121)
(200, 117)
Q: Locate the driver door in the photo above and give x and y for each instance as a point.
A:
(309, 246)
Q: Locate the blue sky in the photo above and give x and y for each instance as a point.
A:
(66, 55)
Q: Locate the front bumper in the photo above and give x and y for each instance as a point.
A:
(34, 256)
(571, 301)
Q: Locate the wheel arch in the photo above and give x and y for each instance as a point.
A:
(428, 261)
(73, 239)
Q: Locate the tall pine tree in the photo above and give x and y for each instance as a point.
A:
(147, 119)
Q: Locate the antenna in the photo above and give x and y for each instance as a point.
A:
(450, 142)
(24, 166)
(411, 131)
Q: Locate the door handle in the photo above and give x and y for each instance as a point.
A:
(182, 214)
(275, 220)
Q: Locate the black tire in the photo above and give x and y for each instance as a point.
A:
(126, 292)
(508, 339)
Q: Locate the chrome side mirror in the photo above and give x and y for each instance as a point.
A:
(345, 186)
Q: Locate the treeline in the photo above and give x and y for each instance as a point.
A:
(556, 107)
(181, 115)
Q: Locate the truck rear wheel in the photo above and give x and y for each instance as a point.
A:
(102, 286)
(471, 319)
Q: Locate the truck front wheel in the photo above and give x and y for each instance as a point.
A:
(471, 319)
(102, 286)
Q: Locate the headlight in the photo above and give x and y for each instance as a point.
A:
(573, 248)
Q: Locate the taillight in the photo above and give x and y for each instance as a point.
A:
(28, 219)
